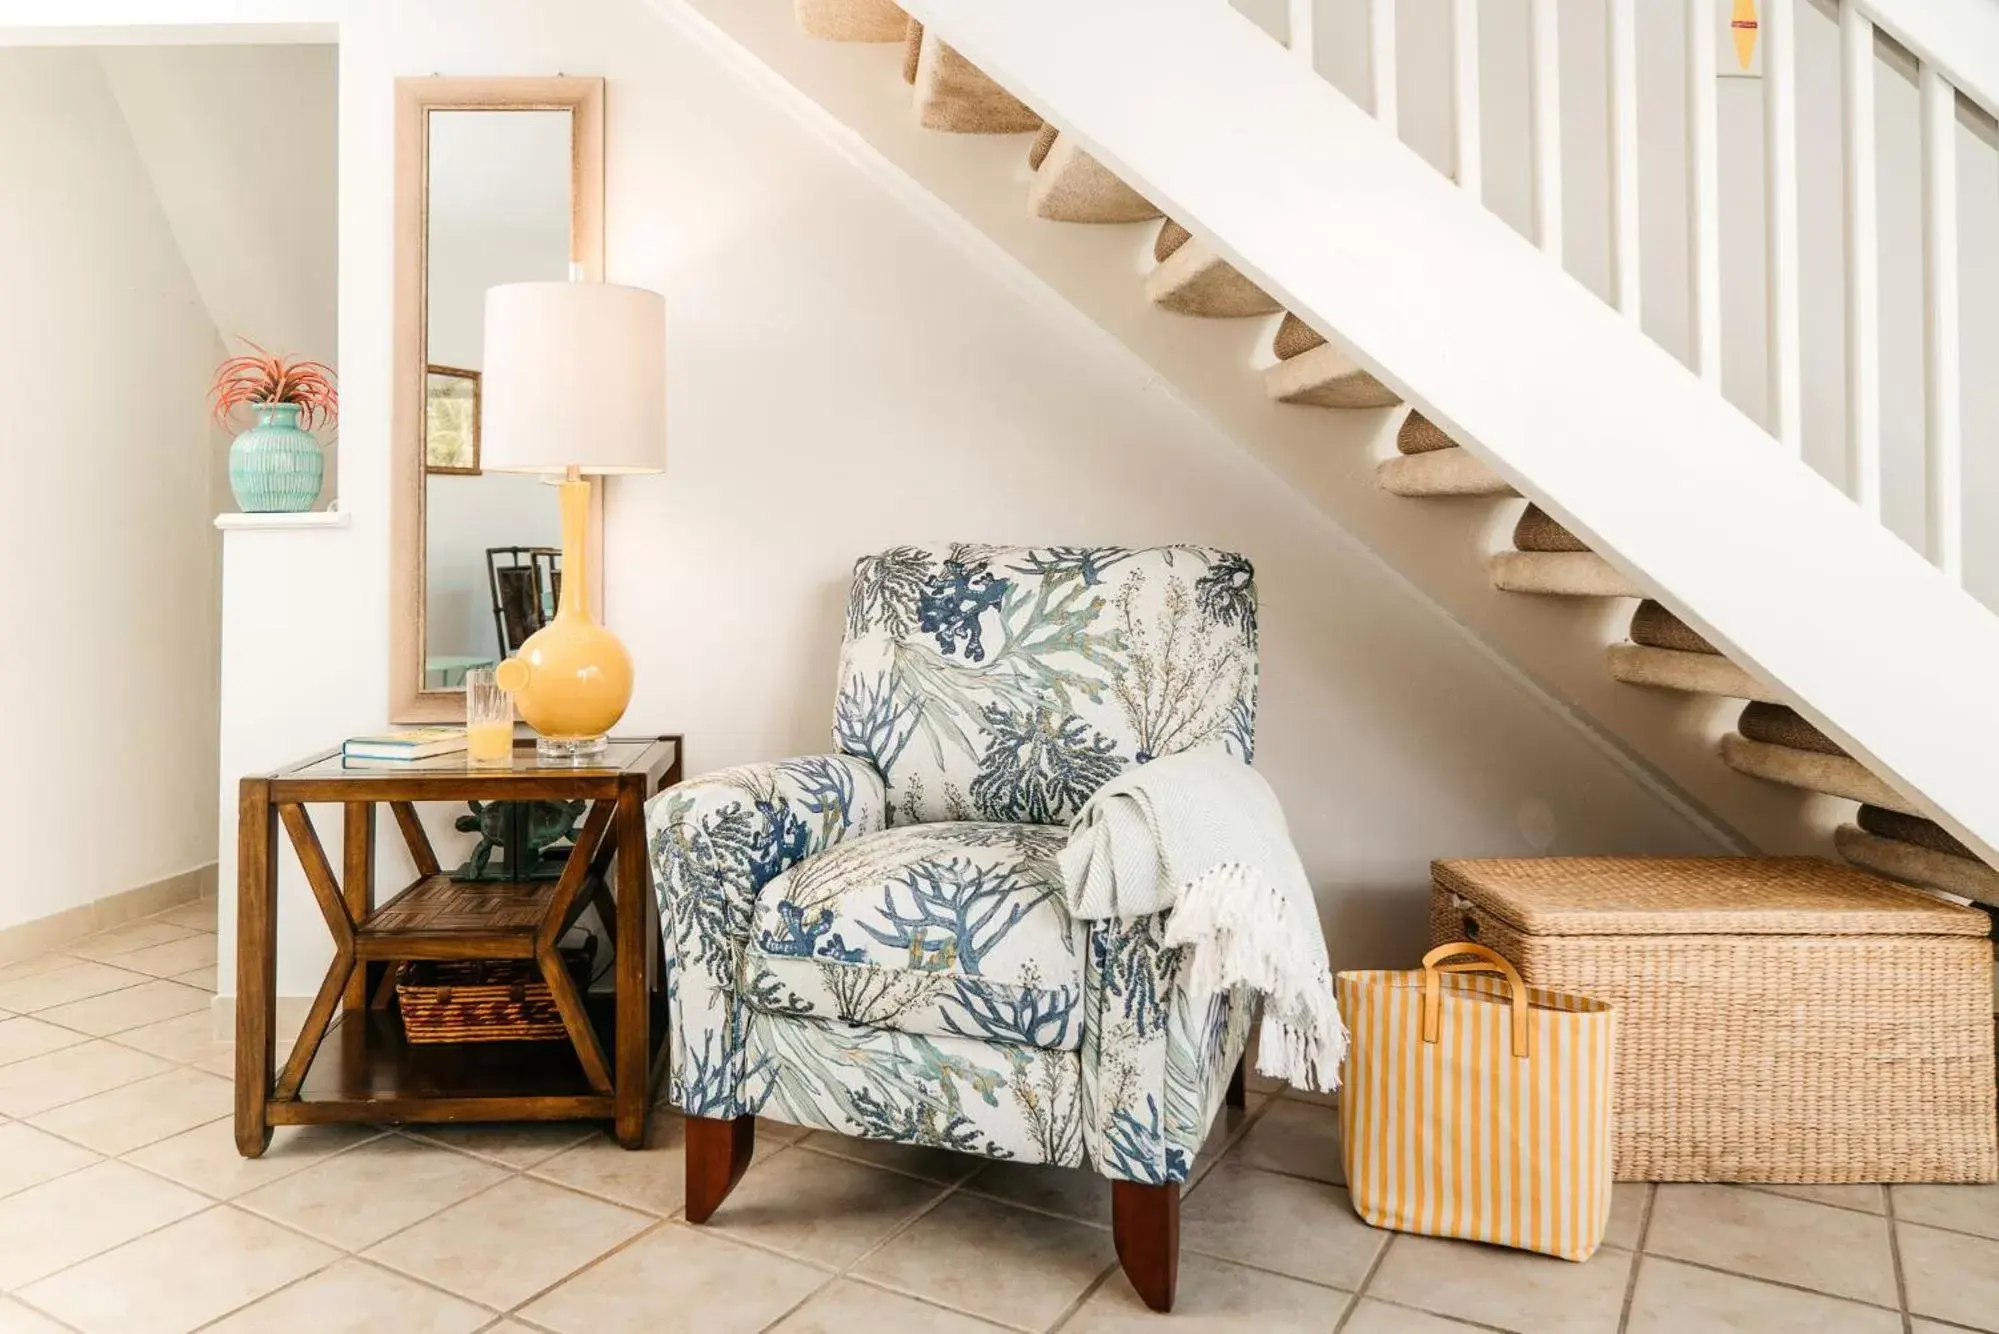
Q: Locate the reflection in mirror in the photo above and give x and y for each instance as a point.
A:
(497, 210)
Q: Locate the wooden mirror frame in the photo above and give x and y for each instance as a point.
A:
(410, 698)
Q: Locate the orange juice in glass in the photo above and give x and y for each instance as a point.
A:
(489, 721)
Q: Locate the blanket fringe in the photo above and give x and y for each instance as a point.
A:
(1241, 930)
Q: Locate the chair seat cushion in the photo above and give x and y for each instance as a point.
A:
(955, 929)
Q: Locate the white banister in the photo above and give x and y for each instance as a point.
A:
(1863, 260)
(1464, 96)
(1780, 215)
(1703, 194)
(1624, 239)
(1300, 32)
(1944, 492)
(1545, 115)
(1381, 60)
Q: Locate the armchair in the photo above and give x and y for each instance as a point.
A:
(874, 942)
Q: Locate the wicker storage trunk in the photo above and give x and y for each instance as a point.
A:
(1783, 1019)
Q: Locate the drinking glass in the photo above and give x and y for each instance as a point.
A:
(489, 720)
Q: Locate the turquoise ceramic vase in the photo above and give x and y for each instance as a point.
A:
(275, 467)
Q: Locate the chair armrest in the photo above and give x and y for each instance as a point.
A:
(715, 842)
(1156, 1060)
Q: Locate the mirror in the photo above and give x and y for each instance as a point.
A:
(498, 181)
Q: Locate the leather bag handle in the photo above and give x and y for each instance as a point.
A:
(1487, 961)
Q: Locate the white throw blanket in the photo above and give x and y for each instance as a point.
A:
(1200, 833)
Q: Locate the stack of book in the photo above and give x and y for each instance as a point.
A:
(388, 750)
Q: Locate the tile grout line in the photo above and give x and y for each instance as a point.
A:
(1637, 1254)
(1400, 1305)
(1366, 1281)
(514, 1312)
(1772, 1282)
(1895, 1258)
(1090, 1290)
(341, 1258)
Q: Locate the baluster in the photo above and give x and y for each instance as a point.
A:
(1464, 95)
(1780, 213)
(1381, 60)
(1300, 32)
(1623, 66)
(1545, 112)
(1944, 494)
(1863, 260)
(1703, 193)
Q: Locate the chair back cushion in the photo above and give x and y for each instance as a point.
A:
(1009, 683)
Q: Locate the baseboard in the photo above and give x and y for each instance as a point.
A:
(28, 939)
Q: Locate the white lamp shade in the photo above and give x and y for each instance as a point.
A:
(575, 377)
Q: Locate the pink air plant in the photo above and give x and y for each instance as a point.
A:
(267, 378)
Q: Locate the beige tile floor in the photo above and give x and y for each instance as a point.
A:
(125, 1210)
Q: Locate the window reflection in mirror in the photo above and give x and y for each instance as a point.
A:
(497, 210)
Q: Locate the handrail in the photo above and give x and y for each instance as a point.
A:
(1957, 38)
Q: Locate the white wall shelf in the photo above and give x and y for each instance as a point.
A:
(309, 519)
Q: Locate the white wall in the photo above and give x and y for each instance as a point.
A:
(108, 675)
(249, 197)
(843, 377)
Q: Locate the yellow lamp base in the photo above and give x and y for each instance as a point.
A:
(572, 679)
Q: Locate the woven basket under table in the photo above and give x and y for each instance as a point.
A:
(484, 1000)
(1782, 1019)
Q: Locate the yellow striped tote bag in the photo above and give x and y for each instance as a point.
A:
(1475, 1106)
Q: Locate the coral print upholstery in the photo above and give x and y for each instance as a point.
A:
(874, 941)
(990, 683)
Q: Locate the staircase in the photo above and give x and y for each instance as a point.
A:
(1916, 809)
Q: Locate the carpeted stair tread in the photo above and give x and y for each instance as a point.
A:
(1170, 238)
(1294, 338)
(1441, 472)
(1071, 186)
(1326, 377)
(852, 20)
(1782, 725)
(1194, 280)
(1912, 829)
(1044, 139)
(1537, 532)
(1917, 865)
(953, 95)
(912, 49)
(1419, 435)
(1656, 627)
(1690, 673)
(1835, 775)
(1573, 574)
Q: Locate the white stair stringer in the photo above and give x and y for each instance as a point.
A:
(1308, 198)
(971, 188)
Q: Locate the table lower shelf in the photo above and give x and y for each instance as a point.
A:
(368, 1071)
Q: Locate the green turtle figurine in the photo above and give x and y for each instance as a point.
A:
(523, 832)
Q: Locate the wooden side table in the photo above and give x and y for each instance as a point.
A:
(351, 1061)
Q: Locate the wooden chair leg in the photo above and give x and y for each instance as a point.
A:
(718, 1153)
(1238, 1094)
(1145, 1227)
